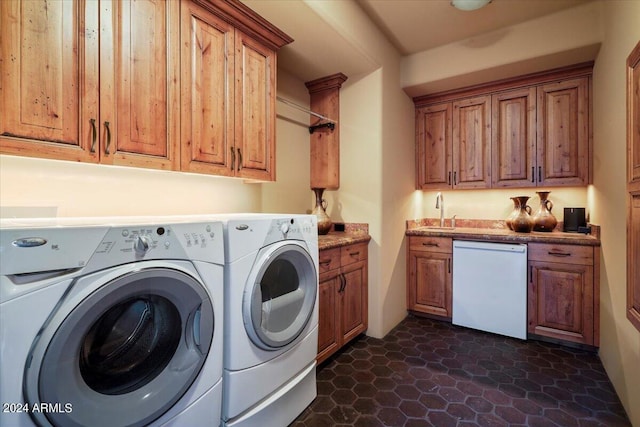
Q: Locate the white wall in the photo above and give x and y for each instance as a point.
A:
(619, 340)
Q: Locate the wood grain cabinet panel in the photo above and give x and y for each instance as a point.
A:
(513, 139)
(563, 133)
(530, 131)
(472, 143)
(49, 79)
(102, 94)
(343, 297)
(434, 146)
(429, 280)
(563, 295)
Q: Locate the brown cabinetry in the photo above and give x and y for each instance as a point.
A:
(525, 132)
(453, 144)
(429, 277)
(168, 85)
(563, 294)
(100, 93)
(228, 96)
(342, 297)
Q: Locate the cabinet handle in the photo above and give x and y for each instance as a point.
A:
(449, 264)
(94, 135)
(559, 254)
(430, 244)
(449, 179)
(354, 254)
(533, 174)
(239, 159)
(106, 149)
(233, 158)
(455, 178)
(343, 283)
(539, 173)
(531, 274)
(327, 262)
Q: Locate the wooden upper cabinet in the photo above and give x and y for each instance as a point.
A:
(228, 87)
(434, 146)
(207, 92)
(255, 105)
(139, 107)
(453, 143)
(563, 133)
(472, 143)
(529, 131)
(90, 94)
(48, 78)
(513, 139)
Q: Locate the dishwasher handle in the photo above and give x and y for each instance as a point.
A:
(485, 246)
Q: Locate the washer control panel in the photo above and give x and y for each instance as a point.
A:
(192, 241)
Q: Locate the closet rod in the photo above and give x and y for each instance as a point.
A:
(306, 110)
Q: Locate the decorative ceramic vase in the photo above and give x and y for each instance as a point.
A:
(324, 222)
(543, 219)
(514, 213)
(522, 222)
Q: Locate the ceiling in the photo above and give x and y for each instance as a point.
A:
(416, 25)
(322, 48)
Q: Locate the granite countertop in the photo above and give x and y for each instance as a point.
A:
(353, 233)
(497, 231)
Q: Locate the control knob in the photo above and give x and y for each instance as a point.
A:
(284, 228)
(141, 245)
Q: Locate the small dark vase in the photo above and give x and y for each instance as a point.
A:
(522, 222)
(324, 222)
(543, 219)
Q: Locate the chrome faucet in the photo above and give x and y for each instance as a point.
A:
(440, 205)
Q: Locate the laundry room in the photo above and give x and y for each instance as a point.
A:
(118, 128)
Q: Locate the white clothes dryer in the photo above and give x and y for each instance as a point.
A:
(271, 318)
(114, 324)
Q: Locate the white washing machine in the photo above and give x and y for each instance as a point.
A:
(271, 318)
(111, 325)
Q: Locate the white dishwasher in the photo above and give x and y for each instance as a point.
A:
(490, 287)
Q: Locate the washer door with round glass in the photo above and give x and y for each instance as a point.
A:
(125, 354)
(280, 297)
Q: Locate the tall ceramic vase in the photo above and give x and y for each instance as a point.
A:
(324, 222)
(543, 219)
(522, 222)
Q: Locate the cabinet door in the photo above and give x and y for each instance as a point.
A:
(354, 314)
(139, 110)
(433, 147)
(513, 138)
(472, 143)
(429, 283)
(329, 338)
(563, 133)
(255, 96)
(561, 301)
(207, 92)
(49, 78)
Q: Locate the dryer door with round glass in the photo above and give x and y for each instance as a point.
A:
(280, 297)
(126, 353)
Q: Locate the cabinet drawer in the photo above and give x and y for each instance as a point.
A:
(566, 254)
(431, 244)
(329, 259)
(353, 253)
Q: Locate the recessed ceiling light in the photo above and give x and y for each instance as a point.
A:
(469, 4)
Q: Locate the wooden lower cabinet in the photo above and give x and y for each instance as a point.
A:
(342, 297)
(429, 280)
(563, 293)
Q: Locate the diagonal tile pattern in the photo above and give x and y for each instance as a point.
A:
(430, 373)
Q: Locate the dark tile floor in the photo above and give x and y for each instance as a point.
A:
(431, 373)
